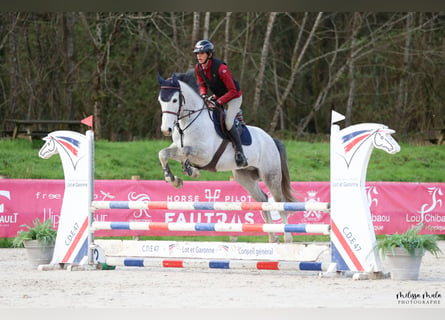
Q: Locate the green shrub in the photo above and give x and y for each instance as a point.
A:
(43, 232)
(410, 240)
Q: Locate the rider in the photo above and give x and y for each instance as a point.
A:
(214, 74)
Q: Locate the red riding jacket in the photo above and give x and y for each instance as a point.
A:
(220, 80)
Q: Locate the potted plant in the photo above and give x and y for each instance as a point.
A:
(404, 252)
(38, 239)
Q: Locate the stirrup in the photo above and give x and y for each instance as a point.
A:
(240, 159)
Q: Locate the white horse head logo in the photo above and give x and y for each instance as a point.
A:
(435, 192)
(378, 135)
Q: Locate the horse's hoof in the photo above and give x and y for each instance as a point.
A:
(196, 173)
(178, 183)
(287, 237)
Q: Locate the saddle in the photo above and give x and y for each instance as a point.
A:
(218, 118)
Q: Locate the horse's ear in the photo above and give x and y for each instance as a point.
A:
(175, 80)
(160, 79)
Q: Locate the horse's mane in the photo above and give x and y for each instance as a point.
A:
(189, 78)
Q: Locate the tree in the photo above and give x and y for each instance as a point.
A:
(14, 64)
(264, 52)
(68, 37)
(402, 98)
(102, 48)
(227, 37)
(295, 67)
(205, 34)
(355, 29)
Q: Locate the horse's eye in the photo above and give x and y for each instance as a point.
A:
(175, 100)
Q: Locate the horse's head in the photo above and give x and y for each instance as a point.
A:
(49, 148)
(383, 140)
(170, 98)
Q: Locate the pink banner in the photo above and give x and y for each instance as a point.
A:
(394, 206)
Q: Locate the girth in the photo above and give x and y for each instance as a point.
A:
(211, 166)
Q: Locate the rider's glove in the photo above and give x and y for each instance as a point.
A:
(212, 102)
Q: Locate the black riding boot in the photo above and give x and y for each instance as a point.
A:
(240, 158)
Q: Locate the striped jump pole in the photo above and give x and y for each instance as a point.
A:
(230, 206)
(216, 264)
(213, 227)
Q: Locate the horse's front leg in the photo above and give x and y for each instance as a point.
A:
(171, 152)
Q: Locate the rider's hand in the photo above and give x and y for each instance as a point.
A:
(212, 103)
(209, 101)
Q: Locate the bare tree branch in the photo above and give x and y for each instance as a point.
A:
(295, 68)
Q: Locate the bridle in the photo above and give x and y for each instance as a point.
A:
(189, 113)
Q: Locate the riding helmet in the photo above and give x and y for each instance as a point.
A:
(204, 46)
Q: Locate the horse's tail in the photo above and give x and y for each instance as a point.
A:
(286, 187)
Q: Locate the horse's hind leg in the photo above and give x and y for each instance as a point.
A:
(248, 179)
(273, 184)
